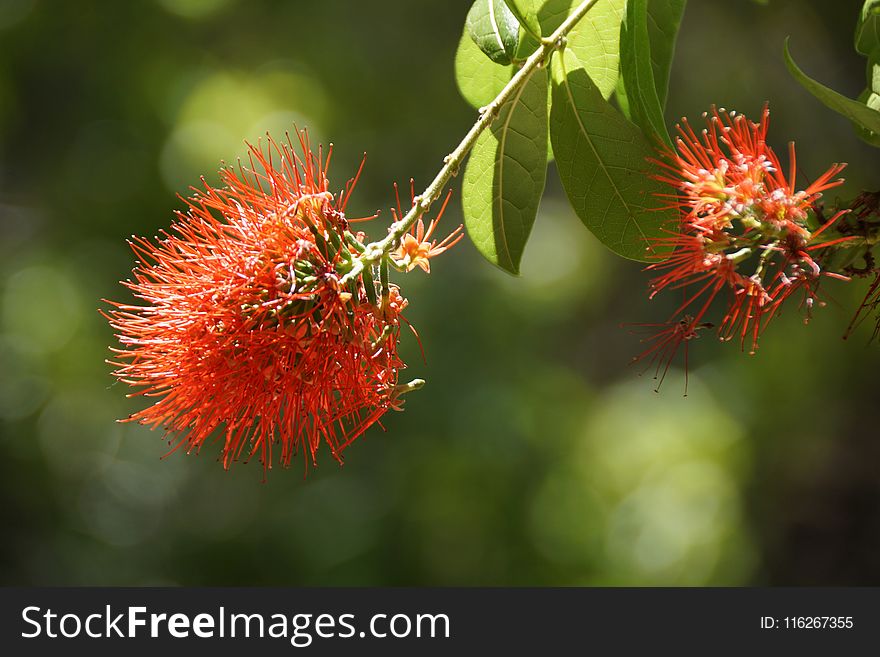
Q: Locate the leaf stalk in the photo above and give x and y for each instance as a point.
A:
(375, 251)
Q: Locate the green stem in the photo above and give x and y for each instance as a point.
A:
(451, 163)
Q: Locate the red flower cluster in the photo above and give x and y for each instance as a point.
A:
(744, 235)
(247, 325)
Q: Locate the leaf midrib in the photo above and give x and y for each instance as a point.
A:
(499, 197)
(495, 30)
(583, 130)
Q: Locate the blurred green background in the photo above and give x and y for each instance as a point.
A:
(535, 456)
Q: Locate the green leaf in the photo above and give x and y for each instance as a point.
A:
(538, 18)
(873, 71)
(505, 175)
(594, 44)
(527, 45)
(541, 17)
(637, 72)
(479, 78)
(664, 20)
(868, 27)
(494, 29)
(871, 97)
(603, 165)
(872, 100)
(647, 44)
(860, 114)
(622, 100)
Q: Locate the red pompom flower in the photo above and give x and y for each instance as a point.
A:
(746, 235)
(247, 329)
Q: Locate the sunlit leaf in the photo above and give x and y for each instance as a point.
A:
(868, 27)
(602, 162)
(859, 113)
(505, 175)
(479, 78)
(874, 70)
(622, 100)
(664, 20)
(637, 72)
(541, 17)
(593, 44)
(528, 44)
(494, 29)
(872, 100)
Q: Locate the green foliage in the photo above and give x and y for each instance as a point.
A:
(873, 70)
(864, 118)
(602, 161)
(494, 29)
(872, 100)
(664, 20)
(871, 97)
(479, 78)
(867, 36)
(504, 178)
(594, 44)
(527, 45)
(604, 169)
(541, 17)
(620, 97)
(657, 44)
(637, 72)
(864, 112)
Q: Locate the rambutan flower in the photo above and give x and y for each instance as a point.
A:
(664, 342)
(416, 246)
(744, 234)
(247, 329)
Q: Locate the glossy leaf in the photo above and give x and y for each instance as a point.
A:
(872, 100)
(594, 44)
(527, 45)
(873, 71)
(505, 174)
(541, 17)
(871, 97)
(664, 20)
(603, 165)
(637, 72)
(622, 100)
(860, 114)
(868, 27)
(494, 29)
(479, 78)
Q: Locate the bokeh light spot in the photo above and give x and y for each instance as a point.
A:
(41, 305)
